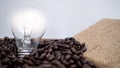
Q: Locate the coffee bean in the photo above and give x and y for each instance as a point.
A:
(15, 60)
(76, 57)
(42, 55)
(58, 63)
(71, 43)
(33, 53)
(73, 50)
(71, 38)
(41, 50)
(45, 62)
(20, 62)
(79, 63)
(50, 50)
(83, 45)
(86, 66)
(4, 66)
(66, 51)
(67, 41)
(55, 47)
(77, 42)
(48, 55)
(73, 66)
(64, 61)
(83, 60)
(56, 53)
(68, 56)
(66, 46)
(46, 66)
(24, 66)
(27, 57)
(6, 39)
(51, 57)
(83, 49)
(46, 42)
(37, 62)
(29, 62)
(91, 64)
(3, 54)
(71, 61)
(5, 61)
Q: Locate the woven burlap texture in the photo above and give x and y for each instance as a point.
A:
(103, 43)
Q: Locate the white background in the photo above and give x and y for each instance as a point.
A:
(65, 17)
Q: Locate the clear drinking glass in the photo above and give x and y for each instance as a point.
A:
(28, 26)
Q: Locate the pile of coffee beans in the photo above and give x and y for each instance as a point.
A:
(56, 53)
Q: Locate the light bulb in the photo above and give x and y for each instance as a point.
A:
(28, 26)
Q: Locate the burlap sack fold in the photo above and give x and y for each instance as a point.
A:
(103, 43)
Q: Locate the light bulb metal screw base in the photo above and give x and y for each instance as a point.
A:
(22, 52)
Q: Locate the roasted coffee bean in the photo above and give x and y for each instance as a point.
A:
(79, 63)
(71, 38)
(86, 66)
(50, 50)
(6, 39)
(3, 54)
(58, 63)
(73, 50)
(48, 55)
(56, 53)
(15, 60)
(45, 62)
(71, 43)
(66, 51)
(29, 62)
(27, 57)
(4, 66)
(37, 62)
(51, 57)
(12, 56)
(71, 61)
(55, 47)
(41, 45)
(83, 45)
(46, 42)
(67, 41)
(83, 60)
(46, 66)
(20, 62)
(1, 49)
(76, 42)
(24, 66)
(42, 55)
(73, 66)
(76, 57)
(36, 56)
(64, 61)
(83, 49)
(41, 50)
(33, 53)
(91, 64)
(68, 56)
(5, 61)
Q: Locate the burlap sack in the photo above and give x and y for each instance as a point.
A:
(103, 43)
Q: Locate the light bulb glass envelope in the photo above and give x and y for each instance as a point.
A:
(28, 26)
